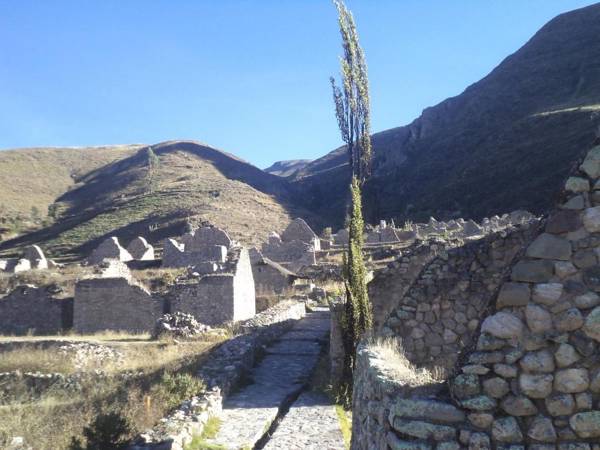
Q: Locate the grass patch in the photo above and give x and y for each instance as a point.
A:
(49, 419)
(395, 364)
(345, 420)
(210, 431)
(139, 353)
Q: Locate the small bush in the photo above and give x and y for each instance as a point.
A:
(179, 387)
(107, 432)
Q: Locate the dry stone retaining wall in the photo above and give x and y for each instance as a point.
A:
(533, 379)
(441, 310)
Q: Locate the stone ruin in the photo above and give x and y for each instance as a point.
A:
(113, 300)
(514, 319)
(295, 248)
(205, 249)
(33, 258)
(34, 309)
(385, 233)
(109, 249)
(140, 250)
(219, 286)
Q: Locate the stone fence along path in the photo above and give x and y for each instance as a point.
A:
(255, 415)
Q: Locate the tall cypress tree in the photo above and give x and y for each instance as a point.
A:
(352, 108)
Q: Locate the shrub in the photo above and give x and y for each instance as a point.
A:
(179, 387)
(107, 432)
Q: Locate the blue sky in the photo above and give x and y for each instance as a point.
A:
(249, 77)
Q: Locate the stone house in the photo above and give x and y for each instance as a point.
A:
(222, 294)
(295, 248)
(272, 278)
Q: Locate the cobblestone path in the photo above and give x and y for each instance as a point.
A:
(311, 424)
(274, 383)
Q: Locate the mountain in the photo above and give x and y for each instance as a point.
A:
(34, 177)
(505, 143)
(287, 168)
(155, 191)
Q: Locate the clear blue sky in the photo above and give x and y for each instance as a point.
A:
(249, 77)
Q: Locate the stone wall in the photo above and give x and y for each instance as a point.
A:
(114, 304)
(28, 308)
(532, 379)
(438, 314)
(271, 278)
(217, 298)
(389, 285)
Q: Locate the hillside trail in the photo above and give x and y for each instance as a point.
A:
(274, 410)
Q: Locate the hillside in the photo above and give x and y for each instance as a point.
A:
(287, 168)
(156, 196)
(35, 177)
(505, 143)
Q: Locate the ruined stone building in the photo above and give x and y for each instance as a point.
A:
(115, 301)
(224, 293)
(34, 309)
(295, 248)
(219, 287)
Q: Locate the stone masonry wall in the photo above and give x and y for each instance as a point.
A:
(215, 299)
(28, 308)
(439, 313)
(533, 378)
(244, 292)
(389, 285)
(114, 304)
(209, 300)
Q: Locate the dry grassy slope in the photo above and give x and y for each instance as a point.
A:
(492, 148)
(128, 198)
(35, 177)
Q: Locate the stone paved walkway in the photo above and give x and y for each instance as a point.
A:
(282, 374)
(310, 424)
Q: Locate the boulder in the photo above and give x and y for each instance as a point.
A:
(591, 163)
(506, 429)
(591, 219)
(437, 411)
(538, 362)
(518, 406)
(539, 320)
(542, 430)
(536, 386)
(591, 327)
(586, 424)
(566, 355)
(536, 271)
(513, 294)
(560, 404)
(577, 184)
(549, 246)
(547, 293)
(503, 325)
(570, 381)
(563, 221)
